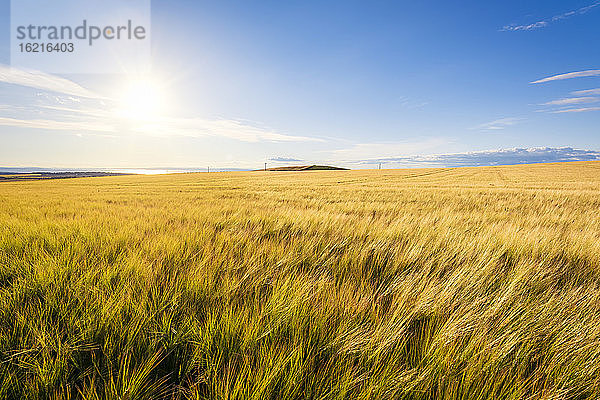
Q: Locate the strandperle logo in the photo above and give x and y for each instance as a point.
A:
(75, 36)
(85, 31)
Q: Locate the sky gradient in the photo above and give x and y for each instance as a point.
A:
(346, 83)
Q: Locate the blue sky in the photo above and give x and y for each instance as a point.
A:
(339, 82)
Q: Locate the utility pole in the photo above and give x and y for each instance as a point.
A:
(265, 166)
(208, 169)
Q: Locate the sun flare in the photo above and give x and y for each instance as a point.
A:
(143, 99)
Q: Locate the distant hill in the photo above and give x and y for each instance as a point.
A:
(307, 168)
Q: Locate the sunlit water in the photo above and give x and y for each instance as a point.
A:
(139, 171)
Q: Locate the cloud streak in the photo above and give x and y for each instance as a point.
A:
(164, 127)
(583, 96)
(360, 151)
(576, 110)
(572, 100)
(40, 80)
(588, 92)
(570, 75)
(67, 112)
(48, 124)
(492, 157)
(546, 22)
(498, 124)
(285, 159)
(227, 128)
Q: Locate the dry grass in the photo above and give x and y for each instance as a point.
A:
(474, 283)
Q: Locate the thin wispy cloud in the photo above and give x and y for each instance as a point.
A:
(588, 92)
(570, 75)
(226, 128)
(576, 110)
(285, 159)
(529, 27)
(163, 127)
(583, 96)
(64, 111)
(498, 124)
(571, 100)
(491, 157)
(359, 151)
(43, 81)
(48, 124)
(547, 21)
(411, 104)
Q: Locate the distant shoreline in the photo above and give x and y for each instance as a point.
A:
(38, 176)
(123, 171)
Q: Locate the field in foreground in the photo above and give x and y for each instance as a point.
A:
(473, 283)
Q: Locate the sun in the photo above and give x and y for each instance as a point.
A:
(142, 99)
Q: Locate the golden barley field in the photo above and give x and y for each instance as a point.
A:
(468, 283)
